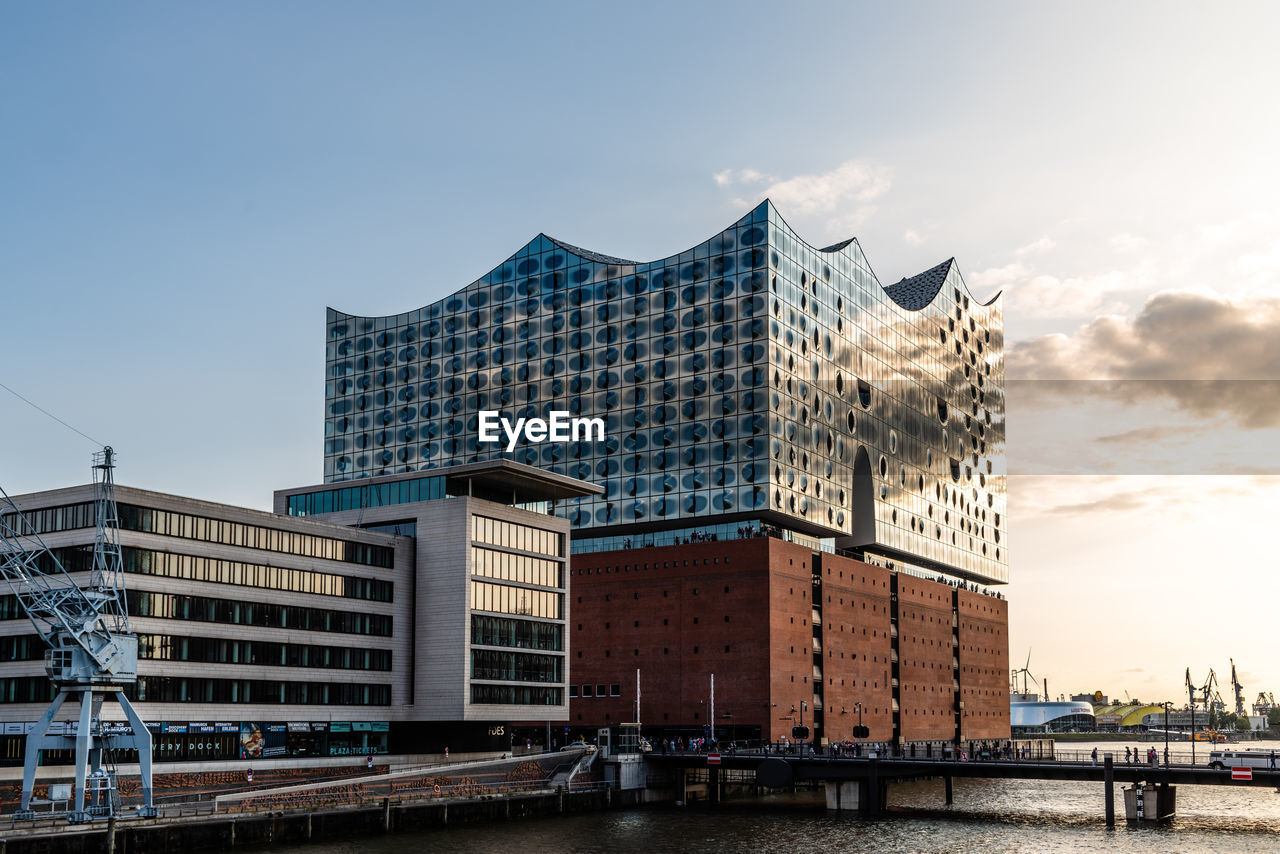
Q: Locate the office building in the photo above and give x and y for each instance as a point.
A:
(433, 618)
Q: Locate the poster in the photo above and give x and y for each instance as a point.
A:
(262, 740)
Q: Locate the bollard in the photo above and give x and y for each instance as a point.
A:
(1109, 789)
(950, 799)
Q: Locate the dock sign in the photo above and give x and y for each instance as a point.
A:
(713, 758)
(1241, 773)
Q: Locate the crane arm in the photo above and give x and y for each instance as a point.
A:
(51, 599)
(60, 610)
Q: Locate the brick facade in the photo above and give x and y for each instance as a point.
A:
(984, 665)
(745, 610)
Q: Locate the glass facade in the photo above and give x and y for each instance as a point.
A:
(366, 496)
(751, 377)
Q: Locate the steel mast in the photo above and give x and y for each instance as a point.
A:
(92, 653)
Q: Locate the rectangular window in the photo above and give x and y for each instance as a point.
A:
(522, 601)
(511, 535)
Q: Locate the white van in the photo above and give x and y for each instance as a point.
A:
(1222, 759)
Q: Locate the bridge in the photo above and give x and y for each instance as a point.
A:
(861, 782)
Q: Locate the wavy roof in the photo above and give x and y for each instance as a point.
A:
(912, 293)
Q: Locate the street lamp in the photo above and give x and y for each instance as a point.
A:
(1166, 705)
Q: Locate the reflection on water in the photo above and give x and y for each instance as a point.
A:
(989, 817)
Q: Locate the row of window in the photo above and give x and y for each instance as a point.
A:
(516, 695)
(372, 495)
(223, 651)
(203, 609)
(515, 600)
(599, 690)
(496, 532)
(184, 689)
(169, 565)
(188, 526)
(500, 631)
(513, 567)
(516, 666)
(207, 610)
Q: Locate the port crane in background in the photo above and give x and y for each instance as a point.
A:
(1264, 704)
(1212, 697)
(1238, 689)
(92, 653)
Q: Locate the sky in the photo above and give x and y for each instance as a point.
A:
(184, 188)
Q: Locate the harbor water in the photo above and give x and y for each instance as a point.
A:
(992, 816)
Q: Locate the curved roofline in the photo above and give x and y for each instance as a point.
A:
(853, 241)
(601, 258)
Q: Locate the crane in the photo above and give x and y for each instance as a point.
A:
(1238, 689)
(92, 654)
(1214, 705)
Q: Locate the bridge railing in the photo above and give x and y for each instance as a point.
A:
(1136, 757)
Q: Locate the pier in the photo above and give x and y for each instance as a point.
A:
(861, 783)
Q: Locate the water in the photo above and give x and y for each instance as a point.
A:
(989, 817)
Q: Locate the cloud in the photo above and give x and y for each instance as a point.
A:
(1046, 296)
(742, 176)
(1128, 243)
(1044, 243)
(1124, 502)
(1146, 435)
(913, 237)
(844, 195)
(1177, 340)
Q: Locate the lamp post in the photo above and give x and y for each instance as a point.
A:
(1166, 705)
(1193, 730)
(858, 706)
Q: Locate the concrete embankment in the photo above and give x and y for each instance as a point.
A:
(223, 832)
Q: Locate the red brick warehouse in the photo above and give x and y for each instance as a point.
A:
(787, 631)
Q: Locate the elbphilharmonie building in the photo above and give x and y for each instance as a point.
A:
(753, 382)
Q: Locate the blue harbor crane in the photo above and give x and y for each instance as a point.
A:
(92, 654)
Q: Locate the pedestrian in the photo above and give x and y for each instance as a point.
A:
(1126, 756)
(1273, 759)
(1095, 756)
(446, 752)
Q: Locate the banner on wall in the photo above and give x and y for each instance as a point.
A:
(262, 740)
